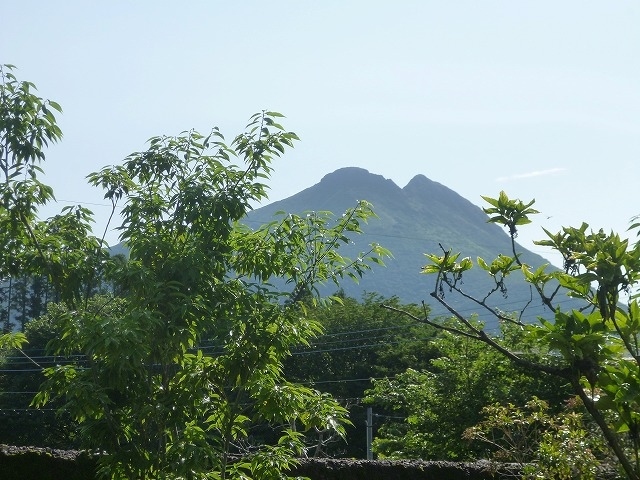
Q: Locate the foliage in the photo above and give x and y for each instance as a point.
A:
(427, 411)
(596, 348)
(12, 341)
(34, 253)
(360, 341)
(27, 124)
(142, 381)
(25, 299)
(173, 380)
(546, 445)
(22, 376)
(61, 249)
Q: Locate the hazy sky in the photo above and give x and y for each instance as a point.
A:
(537, 98)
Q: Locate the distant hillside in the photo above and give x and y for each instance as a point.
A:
(412, 221)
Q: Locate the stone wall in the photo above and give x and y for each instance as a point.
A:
(30, 463)
(338, 469)
(27, 463)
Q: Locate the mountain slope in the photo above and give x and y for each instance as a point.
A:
(412, 221)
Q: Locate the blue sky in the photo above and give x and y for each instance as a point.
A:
(540, 99)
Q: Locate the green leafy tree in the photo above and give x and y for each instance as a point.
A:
(39, 259)
(594, 349)
(27, 126)
(360, 341)
(150, 391)
(425, 412)
(61, 248)
(145, 389)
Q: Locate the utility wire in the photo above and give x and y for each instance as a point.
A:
(17, 360)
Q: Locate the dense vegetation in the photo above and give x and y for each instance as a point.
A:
(594, 349)
(210, 353)
(142, 385)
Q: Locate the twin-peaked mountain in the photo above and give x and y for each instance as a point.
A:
(413, 221)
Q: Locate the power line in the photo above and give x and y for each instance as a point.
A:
(73, 202)
(70, 360)
(369, 330)
(30, 410)
(220, 352)
(345, 380)
(358, 347)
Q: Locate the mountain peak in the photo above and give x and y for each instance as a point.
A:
(420, 183)
(358, 184)
(354, 176)
(419, 179)
(410, 221)
(348, 172)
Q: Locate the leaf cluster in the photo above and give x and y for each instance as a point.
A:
(425, 412)
(547, 445)
(594, 348)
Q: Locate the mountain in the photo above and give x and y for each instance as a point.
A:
(412, 221)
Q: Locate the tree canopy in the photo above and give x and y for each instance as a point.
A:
(596, 348)
(359, 342)
(169, 380)
(423, 412)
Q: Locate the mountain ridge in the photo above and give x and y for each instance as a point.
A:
(414, 220)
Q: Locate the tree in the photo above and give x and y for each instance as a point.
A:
(61, 249)
(27, 125)
(149, 390)
(360, 342)
(39, 297)
(20, 300)
(595, 349)
(6, 294)
(56, 248)
(145, 389)
(426, 411)
(21, 376)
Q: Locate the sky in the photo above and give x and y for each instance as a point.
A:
(540, 98)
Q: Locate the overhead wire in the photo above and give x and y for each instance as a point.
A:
(57, 359)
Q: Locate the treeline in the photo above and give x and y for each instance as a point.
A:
(22, 299)
(425, 386)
